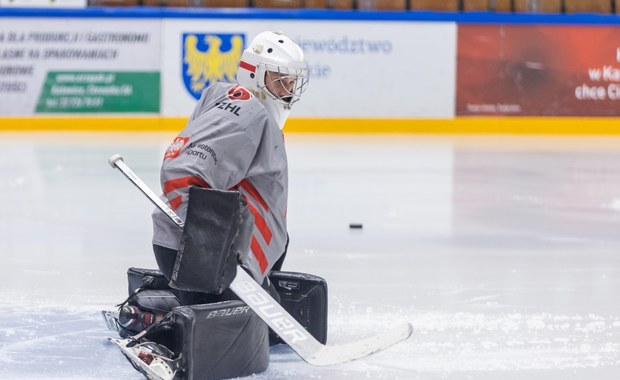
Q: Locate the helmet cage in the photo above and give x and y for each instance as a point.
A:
(282, 76)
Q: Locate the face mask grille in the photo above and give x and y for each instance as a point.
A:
(285, 85)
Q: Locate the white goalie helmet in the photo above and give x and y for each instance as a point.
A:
(273, 67)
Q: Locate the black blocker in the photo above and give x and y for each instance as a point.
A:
(218, 230)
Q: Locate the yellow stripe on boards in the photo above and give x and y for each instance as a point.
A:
(459, 125)
(95, 124)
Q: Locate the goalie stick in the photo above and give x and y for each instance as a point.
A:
(272, 313)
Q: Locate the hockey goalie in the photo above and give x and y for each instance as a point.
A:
(225, 175)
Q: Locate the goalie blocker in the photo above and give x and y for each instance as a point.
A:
(211, 341)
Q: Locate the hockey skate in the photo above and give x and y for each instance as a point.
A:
(153, 360)
(110, 318)
(139, 311)
(129, 320)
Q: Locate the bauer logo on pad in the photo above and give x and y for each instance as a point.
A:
(175, 148)
(209, 58)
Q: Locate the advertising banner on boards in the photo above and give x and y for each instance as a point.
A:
(44, 3)
(538, 70)
(54, 66)
(150, 65)
(366, 69)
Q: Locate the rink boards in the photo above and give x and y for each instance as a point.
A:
(139, 69)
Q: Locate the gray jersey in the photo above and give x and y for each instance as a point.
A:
(230, 143)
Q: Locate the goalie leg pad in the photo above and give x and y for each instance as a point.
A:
(218, 229)
(202, 342)
(221, 340)
(304, 296)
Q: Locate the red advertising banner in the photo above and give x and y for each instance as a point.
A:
(536, 70)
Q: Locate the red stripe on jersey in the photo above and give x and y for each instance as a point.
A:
(260, 222)
(176, 202)
(179, 183)
(250, 189)
(247, 66)
(259, 254)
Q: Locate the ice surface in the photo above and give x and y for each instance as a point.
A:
(503, 252)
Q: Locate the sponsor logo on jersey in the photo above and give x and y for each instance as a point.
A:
(202, 151)
(175, 148)
(209, 58)
(227, 106)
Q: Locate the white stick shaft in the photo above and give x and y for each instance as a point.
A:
(120, 165)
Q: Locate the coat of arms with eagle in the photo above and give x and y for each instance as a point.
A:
(208, 58)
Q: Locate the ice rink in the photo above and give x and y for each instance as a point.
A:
(502, 251)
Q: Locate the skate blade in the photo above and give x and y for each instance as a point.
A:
(157, 370)
(111, 320)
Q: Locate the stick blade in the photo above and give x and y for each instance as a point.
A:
(337, 354)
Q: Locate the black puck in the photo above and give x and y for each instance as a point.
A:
(356, 225)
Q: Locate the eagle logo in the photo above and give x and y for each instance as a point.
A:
(175, 148)
(208, 58)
